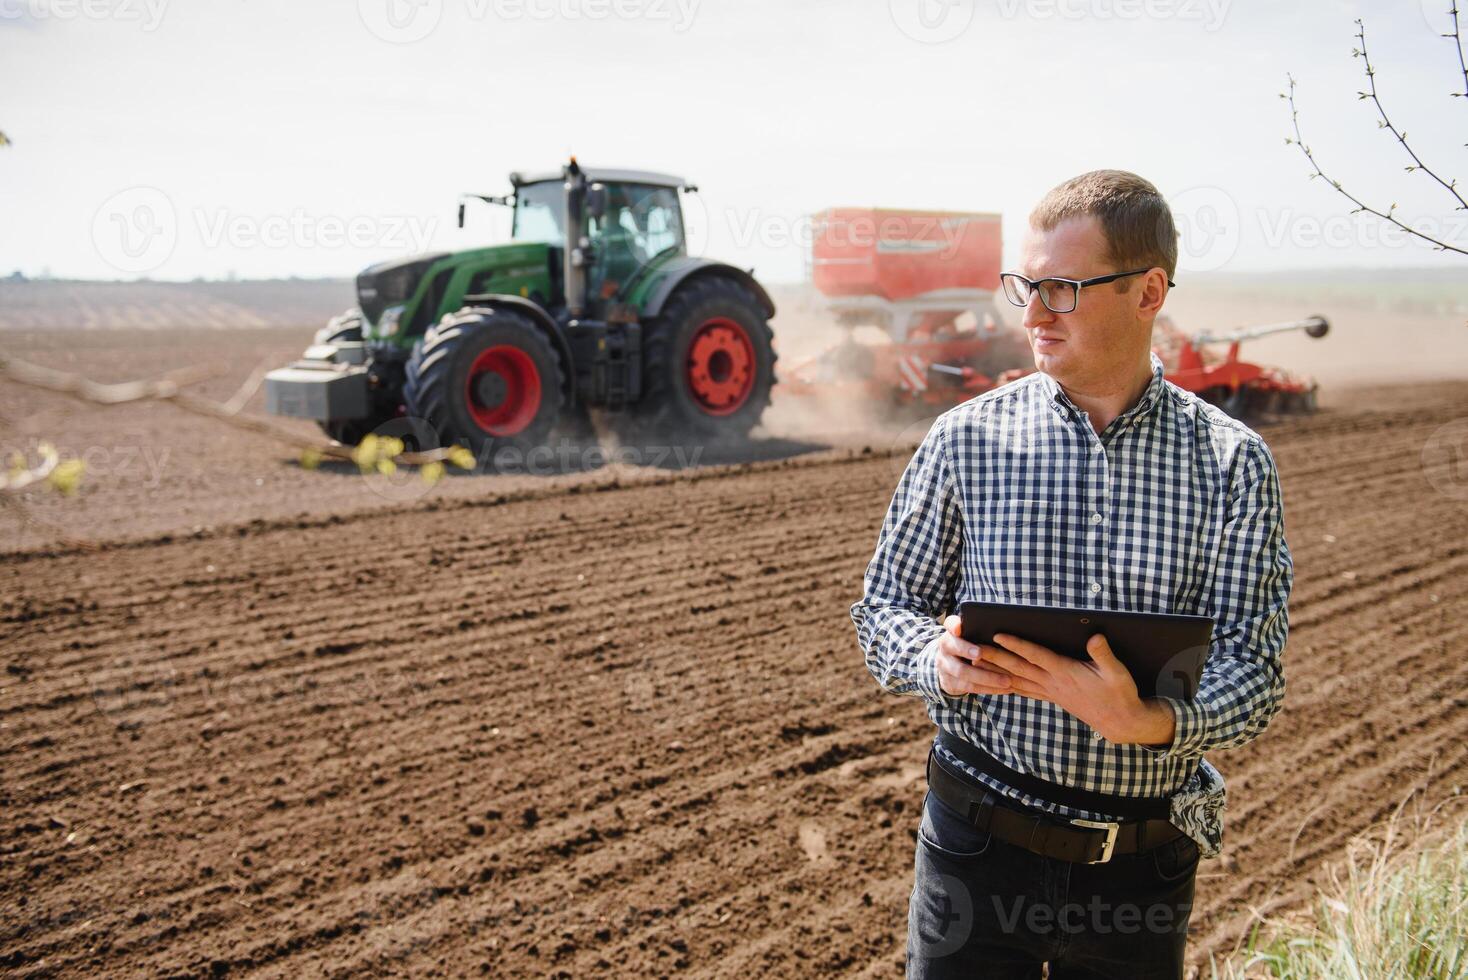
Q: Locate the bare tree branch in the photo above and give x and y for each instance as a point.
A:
(1387, 215)
(1458, 43)
(1417, 164)
(169, 388)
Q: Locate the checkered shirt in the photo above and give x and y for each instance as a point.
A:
(1174, 508)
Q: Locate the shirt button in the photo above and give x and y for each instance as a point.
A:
(1096, 448)
(1095, 586)
(1096, 735)
(1095, 518)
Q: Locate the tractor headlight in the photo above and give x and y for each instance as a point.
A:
(387, 324)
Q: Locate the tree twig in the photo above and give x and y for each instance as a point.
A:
(169, 388)
(1386, 123)
(1387, 215)
(1458, 43)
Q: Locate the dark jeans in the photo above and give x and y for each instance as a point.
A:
(983, 908)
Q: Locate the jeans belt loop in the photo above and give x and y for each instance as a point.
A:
(983, 812)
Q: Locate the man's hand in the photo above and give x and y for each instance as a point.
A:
(1100, 692)
(961, 669)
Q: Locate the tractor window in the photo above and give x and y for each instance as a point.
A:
(538, 213)
(640, 220)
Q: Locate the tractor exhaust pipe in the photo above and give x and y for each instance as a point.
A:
(578, 246)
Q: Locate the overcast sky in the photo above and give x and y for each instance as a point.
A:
(277, 137)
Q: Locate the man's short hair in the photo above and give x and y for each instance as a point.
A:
(1134, 217)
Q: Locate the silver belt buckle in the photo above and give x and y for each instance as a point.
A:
(1111, 827)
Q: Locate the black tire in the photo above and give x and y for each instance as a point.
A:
(346, 328)
(670, 410)
(437, 385)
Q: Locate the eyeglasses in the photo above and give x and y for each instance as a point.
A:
(1058, 295)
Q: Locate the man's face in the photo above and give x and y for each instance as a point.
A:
(1100, 342)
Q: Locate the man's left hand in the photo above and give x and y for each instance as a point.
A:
(1100, 692)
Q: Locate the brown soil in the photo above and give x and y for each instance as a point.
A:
(602, 725)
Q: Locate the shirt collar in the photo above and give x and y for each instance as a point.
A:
(1057, 399)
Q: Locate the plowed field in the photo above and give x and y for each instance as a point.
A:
(587, 729)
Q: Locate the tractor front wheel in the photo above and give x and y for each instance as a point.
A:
(708, 366)
(347, 328)
(489, 380)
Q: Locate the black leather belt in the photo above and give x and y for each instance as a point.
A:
(1082, 841)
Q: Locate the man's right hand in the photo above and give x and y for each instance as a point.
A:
(961, 669)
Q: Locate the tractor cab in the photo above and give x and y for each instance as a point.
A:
(625, 221)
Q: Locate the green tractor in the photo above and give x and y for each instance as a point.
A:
(594, 304)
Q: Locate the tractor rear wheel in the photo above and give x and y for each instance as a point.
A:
(708, 366)
(489, 380)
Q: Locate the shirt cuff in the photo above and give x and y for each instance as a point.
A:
(1189, 732)
(927, 675)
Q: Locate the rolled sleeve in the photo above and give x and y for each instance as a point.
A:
(912, 577)
(1243, 682)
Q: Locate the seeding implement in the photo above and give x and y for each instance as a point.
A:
(593, 304)
(927, 279)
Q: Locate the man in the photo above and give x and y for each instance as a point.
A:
(1065, 815)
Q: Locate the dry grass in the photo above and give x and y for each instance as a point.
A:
(1395, 907)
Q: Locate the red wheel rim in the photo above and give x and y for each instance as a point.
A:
(520, 382)
(720, 366)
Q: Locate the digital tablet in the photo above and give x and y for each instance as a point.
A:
(1163, 652)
